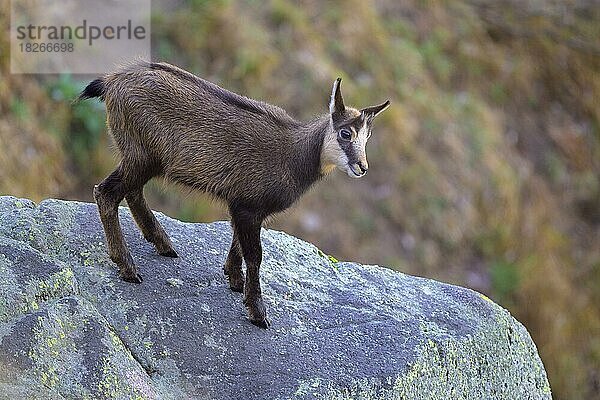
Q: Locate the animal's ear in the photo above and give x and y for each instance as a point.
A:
(374, 111)
(336, 104)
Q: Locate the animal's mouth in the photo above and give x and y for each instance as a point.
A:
(354, 171)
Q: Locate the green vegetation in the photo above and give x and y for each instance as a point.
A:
(86, 125)
(485, 171)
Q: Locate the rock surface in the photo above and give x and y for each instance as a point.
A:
(69, 328)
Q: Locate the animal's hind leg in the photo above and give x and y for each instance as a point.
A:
(108, 194)
(149, 225)
(233, 265)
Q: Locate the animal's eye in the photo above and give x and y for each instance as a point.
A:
(345, 134)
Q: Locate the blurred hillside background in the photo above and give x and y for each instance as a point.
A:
(485, 172)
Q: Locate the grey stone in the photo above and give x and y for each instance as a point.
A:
(69, 328)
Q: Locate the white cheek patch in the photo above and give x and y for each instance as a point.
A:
(332, 155)
(361, 140)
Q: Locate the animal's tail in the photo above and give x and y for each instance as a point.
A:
(95, 88)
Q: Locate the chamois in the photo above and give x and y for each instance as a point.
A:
(253, 156)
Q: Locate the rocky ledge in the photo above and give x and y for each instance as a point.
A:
(69, 328)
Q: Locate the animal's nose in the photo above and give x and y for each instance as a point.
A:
(364, 166)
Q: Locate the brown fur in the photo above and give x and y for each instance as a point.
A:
(251, 155)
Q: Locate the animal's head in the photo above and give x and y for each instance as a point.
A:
(346, 139)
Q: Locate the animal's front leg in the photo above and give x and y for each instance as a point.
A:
(233, 265)
(247, 225)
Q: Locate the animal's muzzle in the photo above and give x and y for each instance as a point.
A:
(364, 166)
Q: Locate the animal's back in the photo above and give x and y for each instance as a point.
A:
(195, 132)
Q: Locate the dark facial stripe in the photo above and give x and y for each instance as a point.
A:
(348, 148)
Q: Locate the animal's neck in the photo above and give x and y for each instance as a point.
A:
(306, 151)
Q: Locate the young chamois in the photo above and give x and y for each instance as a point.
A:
(252, 155)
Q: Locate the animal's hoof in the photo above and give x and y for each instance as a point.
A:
(257, 312)
(169, 253)
(133, 278)
(265, 323)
